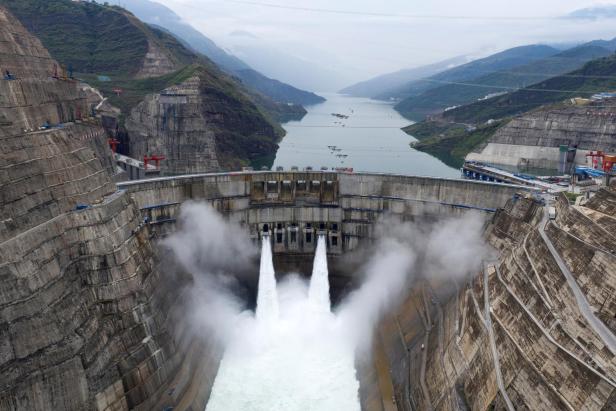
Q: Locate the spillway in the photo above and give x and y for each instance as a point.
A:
(267, 300)
(318, 294)
(288, 356)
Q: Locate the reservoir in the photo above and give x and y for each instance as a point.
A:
(360, 133)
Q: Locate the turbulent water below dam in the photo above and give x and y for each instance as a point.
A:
(356, 132)
(293, 354)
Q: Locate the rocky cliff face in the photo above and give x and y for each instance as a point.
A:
(156, 63)
(517, 333)
(87, 321)
(533, 139)
(200, 127)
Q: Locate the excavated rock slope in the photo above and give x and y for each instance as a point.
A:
(516, 334)
(86, 321)
(199, 128)
(533, 139)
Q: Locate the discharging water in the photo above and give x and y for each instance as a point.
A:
(267, 298)
(318, 294)
(354, 132)
(289, 356)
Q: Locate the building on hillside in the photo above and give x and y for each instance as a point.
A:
(603, 96)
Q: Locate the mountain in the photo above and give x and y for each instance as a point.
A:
(503, 60)
(607, 44)
(437, 99)
(595, 76)
(159, 15)
(111, 49)
(450, 136)
(387, 82)
(449, 142)
(309, 73)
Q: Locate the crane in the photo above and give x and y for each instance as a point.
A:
(113, 143)
(155, 158)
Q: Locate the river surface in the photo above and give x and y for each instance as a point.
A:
(370, 140)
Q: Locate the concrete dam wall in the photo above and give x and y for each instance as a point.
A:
(343, 205)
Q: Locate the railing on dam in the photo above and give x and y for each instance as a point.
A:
(294, 205)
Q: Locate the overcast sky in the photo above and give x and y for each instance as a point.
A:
(361, 46)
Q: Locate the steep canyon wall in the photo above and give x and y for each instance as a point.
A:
(86, 320)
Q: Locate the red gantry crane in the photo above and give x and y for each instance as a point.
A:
(602, 161)
(155, 158)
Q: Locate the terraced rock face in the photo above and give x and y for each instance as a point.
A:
(200, 128)
(534, 329)
(533, 139)
(84, 314)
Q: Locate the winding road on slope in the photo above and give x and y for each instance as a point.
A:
(600, 328)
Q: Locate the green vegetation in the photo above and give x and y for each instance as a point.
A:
(596, 76)
(89, 37)
(135, 90)
(106, 47)
(449, 142)
(106, 40)
(571, 196)
(438, 98)
(218, 87)
(504, 60)
(433, 129)
(95, 38)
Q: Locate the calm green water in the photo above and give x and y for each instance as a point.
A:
(370, 138)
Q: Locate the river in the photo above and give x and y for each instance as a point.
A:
(369, 140)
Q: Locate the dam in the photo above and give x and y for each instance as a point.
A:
(298, 206)
(294, 204)
(294, 213)
(95, 315)
(424, 351)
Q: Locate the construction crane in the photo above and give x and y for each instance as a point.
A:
(602, 161)
(595, 157)
(113, 144)
(155, 158)
(608, 163)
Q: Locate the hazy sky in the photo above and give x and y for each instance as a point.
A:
(394, 37)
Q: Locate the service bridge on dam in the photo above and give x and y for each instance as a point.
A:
(296, 206)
